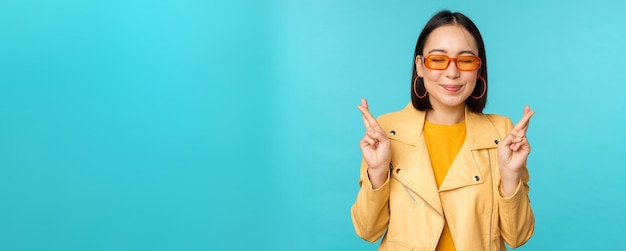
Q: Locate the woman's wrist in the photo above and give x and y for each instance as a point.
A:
(509, 182)
(377, 176)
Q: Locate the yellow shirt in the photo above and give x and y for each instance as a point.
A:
(444, 143)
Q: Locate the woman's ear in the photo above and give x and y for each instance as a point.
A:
(418, 66)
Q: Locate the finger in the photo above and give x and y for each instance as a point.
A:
(523, 123)
(365, 122)
(515, 146)
(526, 146)
(371, 121)
(513, 140)
(378, 135)
(527, 110)
(508, 139)
(367, 141)
(523, 143)
(517, 135)
(379, 129)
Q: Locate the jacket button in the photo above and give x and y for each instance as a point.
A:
(496, 141)
(392, 133)
(398, 171)
(476, 178)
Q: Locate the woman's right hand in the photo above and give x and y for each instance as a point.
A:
(375, 146)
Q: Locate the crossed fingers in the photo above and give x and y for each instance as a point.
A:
(522, 125)
(518, 133)
(368, 120)
(374, 133)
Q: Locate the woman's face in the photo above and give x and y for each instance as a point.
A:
(448, 88)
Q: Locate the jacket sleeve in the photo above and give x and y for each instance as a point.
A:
(517, 222)
(370, 212)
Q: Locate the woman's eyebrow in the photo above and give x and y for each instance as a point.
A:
(444, 51)
(470, 52)
(436, 50)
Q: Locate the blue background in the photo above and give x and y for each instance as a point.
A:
(195, 125)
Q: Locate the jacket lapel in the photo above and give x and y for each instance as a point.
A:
(419, 177)
(465, 169)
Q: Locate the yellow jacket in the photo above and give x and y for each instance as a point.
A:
(409, 207)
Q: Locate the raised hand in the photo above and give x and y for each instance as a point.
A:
(513, 152)
(375, 145)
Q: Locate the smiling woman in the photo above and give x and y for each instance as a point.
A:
(440, 174)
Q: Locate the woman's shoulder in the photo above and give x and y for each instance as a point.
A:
(406, 114)
(500, 122)
(391, 116)
(496, 118)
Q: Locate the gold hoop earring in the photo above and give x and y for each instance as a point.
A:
(415, 88)
(484, 88)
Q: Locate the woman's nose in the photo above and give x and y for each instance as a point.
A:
(452, 71)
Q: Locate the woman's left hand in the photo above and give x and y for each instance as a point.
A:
(513, 151)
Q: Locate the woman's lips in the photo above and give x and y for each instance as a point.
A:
(452, 88)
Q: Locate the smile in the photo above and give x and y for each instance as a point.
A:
(452, 88)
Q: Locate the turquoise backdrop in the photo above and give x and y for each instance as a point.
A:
(232, 125)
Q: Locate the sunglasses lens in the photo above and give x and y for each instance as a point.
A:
(437, 62)
(463, 63)
(468, 63)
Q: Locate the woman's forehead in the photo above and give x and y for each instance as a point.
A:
(450, 39)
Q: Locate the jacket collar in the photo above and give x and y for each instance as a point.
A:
(406, 126)
(410, 124)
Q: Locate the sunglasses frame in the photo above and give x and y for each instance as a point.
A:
(450, 60)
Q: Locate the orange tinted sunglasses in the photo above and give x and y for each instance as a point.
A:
(441, 62)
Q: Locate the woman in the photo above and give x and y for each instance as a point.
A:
(440, 174)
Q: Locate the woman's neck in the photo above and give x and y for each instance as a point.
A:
(446, 116)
